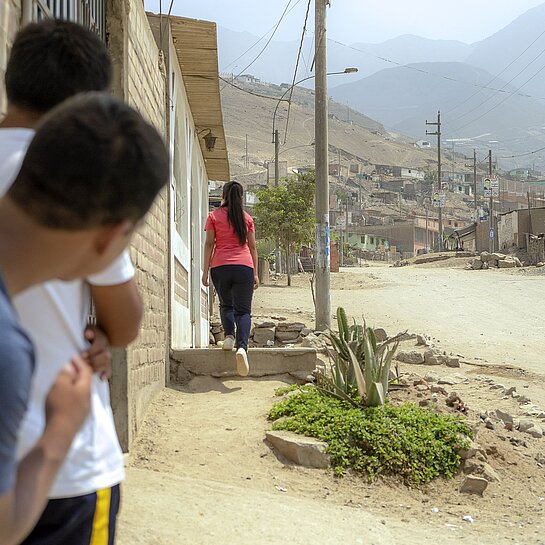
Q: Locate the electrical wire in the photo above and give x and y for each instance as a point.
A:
(494, 94)
(428, 72)
(227, 82)
(270, 38)
(259, 40)
(295, 71)
(522, 154)
(502, 101)
(496, 76)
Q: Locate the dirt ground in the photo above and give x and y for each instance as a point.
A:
(200, 471)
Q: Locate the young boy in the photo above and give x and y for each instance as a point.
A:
(89, 176)
(51, 61)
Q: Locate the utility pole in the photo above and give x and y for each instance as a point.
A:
(322, 257)
(247, 161)
(491, 205)
(438, 134)
(276, 142)
(475, 183)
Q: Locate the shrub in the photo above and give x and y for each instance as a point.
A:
(407, 441)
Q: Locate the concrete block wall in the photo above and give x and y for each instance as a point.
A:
(10, 20)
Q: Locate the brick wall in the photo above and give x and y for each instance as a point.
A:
(10, 19)
(141, 370)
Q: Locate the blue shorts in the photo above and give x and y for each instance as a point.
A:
(83, 520)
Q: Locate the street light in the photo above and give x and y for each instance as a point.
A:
(348, 70)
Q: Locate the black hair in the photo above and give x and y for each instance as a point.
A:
(232, 200)
(94, 161)
(53, 60)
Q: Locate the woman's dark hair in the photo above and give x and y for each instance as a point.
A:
(232, 200)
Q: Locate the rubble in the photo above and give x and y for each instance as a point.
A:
(495, 260)
(474, 485)
(412, 356)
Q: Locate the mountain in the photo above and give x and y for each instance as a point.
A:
(365, 56)
(403, 98)
(498, 51)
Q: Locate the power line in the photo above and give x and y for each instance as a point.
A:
(506, 84)
(502, 101)
(522, 154)
(259, 39)
(496, 76)
(271, 36)
(428, 72)
(295, 71)
(227, 82)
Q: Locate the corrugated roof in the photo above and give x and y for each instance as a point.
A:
(196, 48)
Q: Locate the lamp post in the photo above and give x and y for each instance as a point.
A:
(275, 134)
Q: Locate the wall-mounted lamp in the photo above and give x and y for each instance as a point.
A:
(209, 140)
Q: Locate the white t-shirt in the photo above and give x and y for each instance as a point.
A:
(54, 315)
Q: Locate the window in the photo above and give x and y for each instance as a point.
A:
(89, 13)
(371, 240)
(363, 239)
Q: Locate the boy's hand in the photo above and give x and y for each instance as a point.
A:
(68, 402)
(98, 355)
(205, 281)
(256, 282)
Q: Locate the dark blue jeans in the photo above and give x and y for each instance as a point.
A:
(235, 287)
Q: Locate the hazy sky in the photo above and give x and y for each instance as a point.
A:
(361, 20)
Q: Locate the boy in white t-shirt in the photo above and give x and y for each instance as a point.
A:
(51, 61)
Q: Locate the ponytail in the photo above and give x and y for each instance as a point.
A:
(232, 200)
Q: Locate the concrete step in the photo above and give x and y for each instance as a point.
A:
(216, 362)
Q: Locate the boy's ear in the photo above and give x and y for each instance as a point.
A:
(109, 234)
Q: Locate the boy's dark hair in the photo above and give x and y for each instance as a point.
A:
(94, 161)
(53, 60)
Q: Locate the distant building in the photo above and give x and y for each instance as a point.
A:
(422, 144)
(405, 172)
(248, 78)
(368, 242)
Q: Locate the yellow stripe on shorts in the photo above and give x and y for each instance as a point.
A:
(101, 520)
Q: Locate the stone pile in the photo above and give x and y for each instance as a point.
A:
(493, 261)
(431, 356)
(269, 333)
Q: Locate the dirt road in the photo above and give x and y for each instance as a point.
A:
(497, 316)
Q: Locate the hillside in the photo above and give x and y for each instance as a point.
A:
(360, 140)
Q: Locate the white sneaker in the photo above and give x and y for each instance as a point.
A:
(228, 343)
(242, 363)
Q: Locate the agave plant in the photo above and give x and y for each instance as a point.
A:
(360, 369)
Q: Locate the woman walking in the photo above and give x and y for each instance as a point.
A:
(230, 256)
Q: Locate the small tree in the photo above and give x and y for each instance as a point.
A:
(286, 213)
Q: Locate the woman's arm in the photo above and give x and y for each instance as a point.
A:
(253, 252)
(208, 251)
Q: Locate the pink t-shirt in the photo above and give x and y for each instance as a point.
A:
(228, 250)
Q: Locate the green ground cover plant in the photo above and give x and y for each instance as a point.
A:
(412, 443)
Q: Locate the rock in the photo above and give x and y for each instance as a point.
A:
(422, 340)
(421, 388)
(504, 417)
(476, 264)
(381, 334)
(492, 263)
(517, 261)
(431, 377)
(439, 390)
(313, 341)
(506, 264)
(510, 391)
(433, 356)
(489, 473)
(219, 337)
(264, 335)
(540, 264)
(286, 336)
(305, 332)
(486, 265)
(211, 339)
(485, 257)
(448, 381)
(453, 362)
(498, 256)
(474, 485)
(412, 356)
(304, 451)
(540, 459)
(265, 324)
(291, 327)
(525, 425)
(470, 451)
(535, 431)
